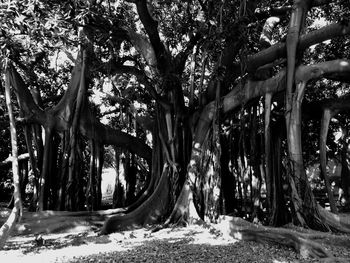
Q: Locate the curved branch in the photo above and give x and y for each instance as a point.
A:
(93, 129)
(254, 89)
(144, 47)
(279, 50)
(24, 97)
(150, 26)
(326, 69)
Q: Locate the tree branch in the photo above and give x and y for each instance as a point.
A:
(24, 97)
(279, 50)
(150, 26)
(144, 47)
(93, 129)
(254, 89)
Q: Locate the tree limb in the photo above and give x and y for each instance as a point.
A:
(93, 129)
(279, 50)
(150, 26)
(254, 89)
(24, 97)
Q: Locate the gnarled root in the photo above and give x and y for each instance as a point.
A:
(335, 222)
(149, 212)
(184, 211)
(243, 230)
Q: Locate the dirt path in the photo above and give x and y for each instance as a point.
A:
(191, 244)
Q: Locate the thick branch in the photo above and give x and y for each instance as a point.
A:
(150, 26)
(279, 50)
(93, 129)
(24, 156)
(144, 47)
(326, 69)
(254, 89)
(24, 97)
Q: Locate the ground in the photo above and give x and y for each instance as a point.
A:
(191, 244)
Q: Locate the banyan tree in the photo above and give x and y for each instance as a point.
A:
(228, 89)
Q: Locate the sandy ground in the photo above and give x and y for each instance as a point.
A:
(190, 244)
(194, 243)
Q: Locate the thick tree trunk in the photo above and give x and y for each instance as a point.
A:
(305, 208)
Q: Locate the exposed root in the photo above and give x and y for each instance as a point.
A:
(243, 230)
(335, 222)
(149, 212)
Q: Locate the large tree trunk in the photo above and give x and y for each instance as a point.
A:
(305, 208)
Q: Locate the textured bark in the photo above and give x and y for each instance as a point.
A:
(296, 171)
(296, 24)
